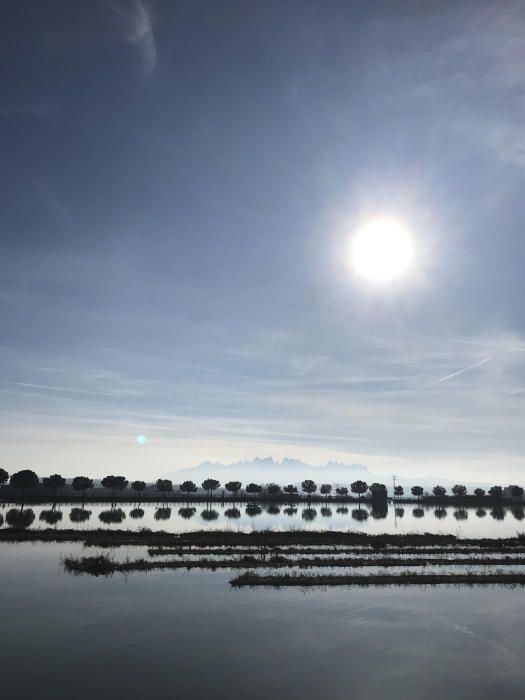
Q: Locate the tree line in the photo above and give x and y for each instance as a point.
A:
(26, 479)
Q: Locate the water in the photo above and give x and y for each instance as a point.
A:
(174, 634)
(177, 517)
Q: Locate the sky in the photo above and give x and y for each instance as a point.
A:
(180, 185)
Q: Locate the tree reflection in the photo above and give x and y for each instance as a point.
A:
(400, 512)
(309, 514)
(326, 512)
(136, 513)
(115, 515)
(187, 513)
(418, 512)
(342, 510)
(79, 515)
(233, 513)
(460, 514)
(498, 513)
(51, 517)
(359, 514)
(273, 509)
(290, 511)
(440, 513)
(1, 519)
(209, 514)
(481, 512)
(253, 509)
(19, 518)
(518, 513)
(162, 514)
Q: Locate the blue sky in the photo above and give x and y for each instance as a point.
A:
(180, 185)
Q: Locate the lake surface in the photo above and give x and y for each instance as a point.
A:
(464, 522)
(189, 635)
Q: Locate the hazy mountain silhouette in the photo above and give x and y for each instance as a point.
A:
(266, 469)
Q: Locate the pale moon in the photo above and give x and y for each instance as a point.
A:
(382, 250)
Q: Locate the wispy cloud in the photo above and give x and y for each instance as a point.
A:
(460, 371)
(137, 24)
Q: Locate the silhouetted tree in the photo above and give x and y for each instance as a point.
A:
(326, 490)
(232, 513)
(309, 514)
(187, 513)
(114, 484)
(4, 477)
(54, 483)
(162, 514)
(308, 487)
(439, 491)
(342, 510)
(341, 491)
(253, 489)
(481, 512)
(459, 490)
(188, 487)
(51, 517)
(115, 515)
(290, 490)
(164, 486)
(440, 513)
(326, 512)
(139, 487)
(516, 492)
(210, 485)
(79, 515)
(253, 509)
(496, 491)
(398, 491)
(479, 493)
(19, 518)
(273, 489)
(417, 491)
(418, 512)
(460, 514)
(23, 480)
(360, 515)
(233, 487)
(82, 484)
(359, 487)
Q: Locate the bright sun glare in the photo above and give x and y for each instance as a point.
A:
(382, 250)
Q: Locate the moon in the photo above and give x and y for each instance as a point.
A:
(382, 250)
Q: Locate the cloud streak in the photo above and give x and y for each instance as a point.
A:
(459, 372)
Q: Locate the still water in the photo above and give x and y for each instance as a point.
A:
(176, 517)
(179, 635)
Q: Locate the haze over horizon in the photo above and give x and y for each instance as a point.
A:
(180, 188)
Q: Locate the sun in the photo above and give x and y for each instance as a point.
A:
(382, 250)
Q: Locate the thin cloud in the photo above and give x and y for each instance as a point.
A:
(137, 20)
(460, 371)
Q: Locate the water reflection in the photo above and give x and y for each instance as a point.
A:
(359, 514)
(136, 513)
(162, 514)
(1, 519)
(518, 513)
(461, 514)
(309, 514)
(20, 518)
(498, 513)
(440, 513)
(209, 514)
(273, 509)
(342, 510)
(232, 513)
(79, 515)
(115, 515)
(418, 512)
(187, 513)
(326, 512)
(290, 510)
(481, 513)
(51, 517)
(400, 512)
(253, 509)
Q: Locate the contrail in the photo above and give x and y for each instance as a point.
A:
(460, 371)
